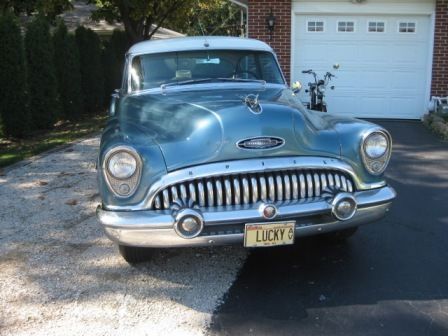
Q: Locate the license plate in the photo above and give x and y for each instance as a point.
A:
(269, 234)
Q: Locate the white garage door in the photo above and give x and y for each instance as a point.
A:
(383, 62)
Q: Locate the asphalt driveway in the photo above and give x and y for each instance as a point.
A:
(391, 278)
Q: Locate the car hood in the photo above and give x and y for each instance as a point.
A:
(197, 127)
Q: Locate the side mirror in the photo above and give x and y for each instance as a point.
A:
(296, 87)
(113, 101)
(336, 66)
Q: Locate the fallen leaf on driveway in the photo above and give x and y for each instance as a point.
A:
(42, 183)
(71, 202)
(41, 197)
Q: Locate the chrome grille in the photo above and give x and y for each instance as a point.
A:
(242, 189)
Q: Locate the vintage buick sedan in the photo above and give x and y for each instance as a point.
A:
(207, 145)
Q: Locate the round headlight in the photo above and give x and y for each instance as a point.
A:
(122, 165)
(321, 89)
(376, 145)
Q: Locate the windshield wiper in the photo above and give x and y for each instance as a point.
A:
(211, 80)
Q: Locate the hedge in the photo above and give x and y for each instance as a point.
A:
(13, 85)
(44, 104)
(92, 80)
(68, 73)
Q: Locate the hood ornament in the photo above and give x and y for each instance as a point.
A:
(260, 143)
(251, 101)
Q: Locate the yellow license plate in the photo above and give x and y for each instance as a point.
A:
(269, 234)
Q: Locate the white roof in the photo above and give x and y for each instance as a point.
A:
(198, 43)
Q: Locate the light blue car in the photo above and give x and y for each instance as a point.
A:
(207, 145)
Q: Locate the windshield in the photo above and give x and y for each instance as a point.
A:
(153, 70)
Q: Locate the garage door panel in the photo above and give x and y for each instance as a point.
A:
(382, 74)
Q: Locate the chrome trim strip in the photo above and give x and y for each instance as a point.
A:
(145, 226)
(244, 166)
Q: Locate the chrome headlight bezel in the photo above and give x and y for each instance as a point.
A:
(122, 187)
(376, 165)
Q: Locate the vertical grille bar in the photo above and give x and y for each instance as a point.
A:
(344, 183)
(210, 194)
(316, 185)
(166, 199)
(337, 180)
(237, 190)
(279, 183)
(271, 186)
(330, 180)
(254, 186)
(309, 181)
(302, 186)
(295, 186)
(263, 188)
(287, 181)
(192, 191)
(246, 193)
(219, 197)
(349, 186)
(323, 181)
(157, 203)
(228, 191)
(183, 192)
(174, 193)
(201, 193)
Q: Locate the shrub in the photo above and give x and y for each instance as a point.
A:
(68, 72)
(113, 61)
(44, 105)
(13, 93)
(92, 82)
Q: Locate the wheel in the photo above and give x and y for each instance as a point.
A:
(134, 255)
(341, 235)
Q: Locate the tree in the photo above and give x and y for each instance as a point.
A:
(13, 93)
(139, 16)
(44, 105)
(47, 8)
(92, 81)
(68, 72)
(210, 17)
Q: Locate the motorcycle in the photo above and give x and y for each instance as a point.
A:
(317, 90)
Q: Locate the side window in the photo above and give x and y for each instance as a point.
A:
(407, 27)
(315, 26)
(346, 26)
(376, 27)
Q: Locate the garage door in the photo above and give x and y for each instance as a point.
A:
(383, 62)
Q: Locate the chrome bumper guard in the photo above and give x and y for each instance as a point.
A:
(225, 225)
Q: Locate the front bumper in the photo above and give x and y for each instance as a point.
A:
(225, 225)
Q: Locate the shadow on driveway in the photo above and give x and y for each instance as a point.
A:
(389, 279)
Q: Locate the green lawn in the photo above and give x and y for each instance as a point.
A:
(13, 150)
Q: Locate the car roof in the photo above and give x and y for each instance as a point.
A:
(198, 43)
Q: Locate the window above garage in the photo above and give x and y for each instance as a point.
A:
(316, 26)
(407, 27)
(376, 27)
(346, 26)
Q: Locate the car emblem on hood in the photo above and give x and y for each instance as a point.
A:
(251, 101)
(261, 143)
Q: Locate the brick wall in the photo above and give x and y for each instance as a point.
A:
(259, 10)
(440, 62)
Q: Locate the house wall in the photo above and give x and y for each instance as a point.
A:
(259, 10)
(281, 38)
(440, 58)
